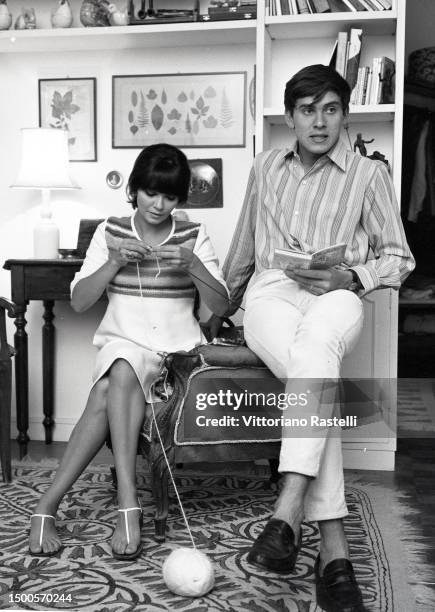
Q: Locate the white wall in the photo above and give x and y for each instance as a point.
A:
(19, 74)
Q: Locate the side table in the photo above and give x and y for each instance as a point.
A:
(47, 280)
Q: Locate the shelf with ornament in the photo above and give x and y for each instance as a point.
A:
(111, 32)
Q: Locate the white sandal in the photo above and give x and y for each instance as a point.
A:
(136, 553)
(41, 535)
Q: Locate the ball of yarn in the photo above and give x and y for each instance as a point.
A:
(188, 572)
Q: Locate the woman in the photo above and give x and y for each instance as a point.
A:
(151, 266)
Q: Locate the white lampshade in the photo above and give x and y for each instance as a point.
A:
(44, 160)
(44, 165)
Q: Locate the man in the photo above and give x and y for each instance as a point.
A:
(301, 323)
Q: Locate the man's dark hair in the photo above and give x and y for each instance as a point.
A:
(315, 81)
(160, 167)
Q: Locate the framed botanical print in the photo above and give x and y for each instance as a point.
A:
(185, 110)
(70, 105)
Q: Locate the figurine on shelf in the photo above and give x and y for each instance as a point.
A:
(61, 16)
(380, 157)
(26, 20)
(118, 17)
(95, 13)
(360, 144)
(5, 16)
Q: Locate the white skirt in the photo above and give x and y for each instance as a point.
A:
(145, 363)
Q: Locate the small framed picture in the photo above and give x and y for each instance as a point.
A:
(205, 189)
(185, 110)
(70, 105)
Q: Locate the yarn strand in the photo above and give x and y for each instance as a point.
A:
(170, 472)
(160, 437)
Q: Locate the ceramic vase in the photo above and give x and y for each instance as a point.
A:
(5, 16)
(61, 16)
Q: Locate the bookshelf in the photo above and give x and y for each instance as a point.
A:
(279, 46)
(128, 37)
(284, 45)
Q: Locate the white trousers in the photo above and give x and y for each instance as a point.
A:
(301, 336)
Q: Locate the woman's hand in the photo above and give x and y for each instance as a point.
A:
(175, 256)
(128, 250)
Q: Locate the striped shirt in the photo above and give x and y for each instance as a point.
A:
(344, 197)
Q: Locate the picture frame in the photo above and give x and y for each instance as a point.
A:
(70, 104)
(206, 189)
(190, 110)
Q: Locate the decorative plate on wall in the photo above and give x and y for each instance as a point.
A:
(205, 184)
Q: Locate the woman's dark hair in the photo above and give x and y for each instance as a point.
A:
(162, 168)
(315, 81)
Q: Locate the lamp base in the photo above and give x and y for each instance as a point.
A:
(45, 240)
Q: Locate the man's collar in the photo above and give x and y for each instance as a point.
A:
(337, 154)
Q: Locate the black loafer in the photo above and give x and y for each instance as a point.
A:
(275, 548)
(337, 590)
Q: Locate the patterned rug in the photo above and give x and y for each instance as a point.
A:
(225, 514)
(416, 408)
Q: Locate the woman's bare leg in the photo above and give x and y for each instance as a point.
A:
(126, 411)
(86, 439)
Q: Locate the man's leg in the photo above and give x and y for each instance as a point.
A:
(304, 337)
(328, 331)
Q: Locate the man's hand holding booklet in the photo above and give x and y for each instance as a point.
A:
(320, 260)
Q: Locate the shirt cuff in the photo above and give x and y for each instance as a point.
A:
(368, 279)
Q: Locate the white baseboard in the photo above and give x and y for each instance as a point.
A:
(370, 459)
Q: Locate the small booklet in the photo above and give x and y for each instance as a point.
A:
(320, 260)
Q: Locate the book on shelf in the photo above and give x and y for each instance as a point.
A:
(365, 84)
(353, 57)
(387, 81)
(368, 86)
(351, 6)
(378, 6)
(338, 6)
(358, 5)
(285, 7)
(341, 57)
(360, 95)
(320, 260)
(320, 6)
(294, 7)
(375, 84)
(302, 6)
(387, 4)
(311, 8)
(371, 5)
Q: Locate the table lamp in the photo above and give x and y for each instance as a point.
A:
(44, 165)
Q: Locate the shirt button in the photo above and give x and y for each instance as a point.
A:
(304, 182)
(296, 212)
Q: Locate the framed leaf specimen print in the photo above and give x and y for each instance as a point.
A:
(70, 105)
(186, 110)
